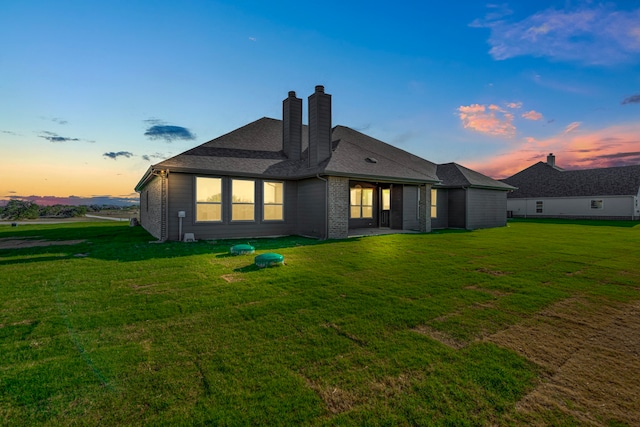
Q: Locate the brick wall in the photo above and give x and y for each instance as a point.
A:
(151, 207)
(338, 200)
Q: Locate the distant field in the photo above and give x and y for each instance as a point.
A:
(125, 214)
(537, 323)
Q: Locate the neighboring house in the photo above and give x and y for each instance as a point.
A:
(280, 177)
(547, 191)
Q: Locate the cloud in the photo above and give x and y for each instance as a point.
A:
(154, 121)
(514, 105)
(148, 157)
(532, 115)
(253, 39)
(594, 35)
(571, 127)
(54, 137)
(581, 149)
(633, 99)
(114, 155)
(488, 119)
(59, 121)
(169, 133)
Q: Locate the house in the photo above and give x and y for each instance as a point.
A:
(546, 191)
(280, 177)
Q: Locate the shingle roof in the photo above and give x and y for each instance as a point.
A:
(454, 175)
(543, 180)
(359, 155)
(256, 150)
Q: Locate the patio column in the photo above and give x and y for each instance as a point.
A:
(338, 207)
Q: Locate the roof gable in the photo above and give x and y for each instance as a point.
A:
(454, 175)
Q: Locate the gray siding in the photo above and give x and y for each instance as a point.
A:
(486, 208)
(613, 207)
(442, 205)
(182, 198)
(457, 201)
(410, 208)
(397, 218)
(311, 208)
(150, 207)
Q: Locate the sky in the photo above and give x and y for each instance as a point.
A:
(94, 92)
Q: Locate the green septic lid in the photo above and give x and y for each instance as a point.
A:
(269, 259)
(242, 249)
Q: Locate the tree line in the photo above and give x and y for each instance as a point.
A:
(25, 209)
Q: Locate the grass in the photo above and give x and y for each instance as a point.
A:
(387, 330)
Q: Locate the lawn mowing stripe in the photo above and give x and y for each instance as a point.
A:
(74, 338)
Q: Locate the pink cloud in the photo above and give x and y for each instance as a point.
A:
(571, 127)
(514, 105)
(487, 119)
(532, 115)
(580, 149)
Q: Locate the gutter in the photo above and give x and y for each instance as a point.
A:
(144, 179)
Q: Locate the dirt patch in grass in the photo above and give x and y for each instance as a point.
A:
(440, 336)
(490, 272)
(590, 352)
(13, 243)
(491, 292)
(231, 278)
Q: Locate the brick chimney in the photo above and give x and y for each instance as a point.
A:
(551, 160)
(319, 126)
(292, 126)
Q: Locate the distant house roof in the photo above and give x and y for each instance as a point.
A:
(544, 180)
(454, 175)
(256, 150)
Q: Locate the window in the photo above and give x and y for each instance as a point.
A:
(386, 199)
(242, 199)
(596, 204)
(208, 199)
(539, 206)
(361, 202)
(273, 201)
(434, 203)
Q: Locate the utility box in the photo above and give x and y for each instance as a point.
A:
(181, 214)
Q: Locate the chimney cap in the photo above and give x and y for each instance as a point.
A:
(292, 94)
(319, 89)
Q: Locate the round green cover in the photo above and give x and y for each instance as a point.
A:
(269, 259)
(242, 249)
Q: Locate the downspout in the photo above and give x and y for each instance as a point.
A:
(326, 205)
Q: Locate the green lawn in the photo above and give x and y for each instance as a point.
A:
(117, 330)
